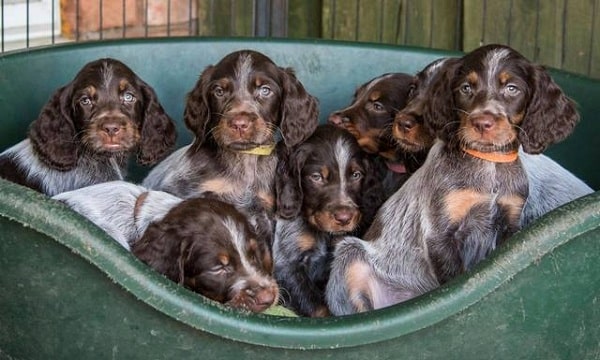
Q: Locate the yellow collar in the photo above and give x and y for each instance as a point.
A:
(497, 157)
(259, 150)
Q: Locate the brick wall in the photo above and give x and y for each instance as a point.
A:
(92, 19)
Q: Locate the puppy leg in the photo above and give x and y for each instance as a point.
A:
(348, 289)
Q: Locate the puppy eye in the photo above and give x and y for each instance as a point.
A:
(128, 97)
(356, 175)
(218, 270)
(264, 90)
(512, 89)
(316, 177)
(466, 89)
(85, 100)
(218, 91)
(378, 106)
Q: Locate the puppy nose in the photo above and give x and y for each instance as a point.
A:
(239, 122)
(263, 297)
(337, 118)
(483, 122)
(405, 122)
(343, 215)
(111, 128)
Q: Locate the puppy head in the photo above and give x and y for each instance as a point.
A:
(106, 110)
(409, 130)
(372, 110)
(496, 99)
(332, 169)
(209, 247)
(240, 102)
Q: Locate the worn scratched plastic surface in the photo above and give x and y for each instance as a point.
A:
(69, 292)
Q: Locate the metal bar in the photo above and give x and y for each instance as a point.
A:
(406, 20)
(431, 19)
(564, 35)
(52, 23)
(510, 13)
(190, 18)
(536, 54)
(333, 18)
(101, 18)
(592, 41)
(27, 24)
(381, 12)
(124, 19)
(482, 41)
(357, 25)
(279, 11)
(3, 22)
(262, 16)
(458, 29)
(146, 16)
(77, 20)
(169, 9)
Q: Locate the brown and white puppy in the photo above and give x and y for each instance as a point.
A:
(468, 196)
(209, 247)
(203, 244)
(235, 110)
(369, 117)
(550, 184)
(86, 131)
(324, 191)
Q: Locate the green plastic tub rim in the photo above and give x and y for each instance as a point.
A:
(58, 222)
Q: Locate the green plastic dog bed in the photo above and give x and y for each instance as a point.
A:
(68, 291)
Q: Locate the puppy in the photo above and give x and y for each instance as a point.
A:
(209, 247)
(322, 192)
(88, 128)
(550, 185)
(369, 117)
(468, 196)
(235, 111)
(203, 244)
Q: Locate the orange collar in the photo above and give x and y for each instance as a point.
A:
(497, 157)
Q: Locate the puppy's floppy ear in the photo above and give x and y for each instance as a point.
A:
(53, 133)
(439, 111)
(157, 247)
(550, 116)
(197, 107)
(288, 181)
(299, 112)
(158, 133)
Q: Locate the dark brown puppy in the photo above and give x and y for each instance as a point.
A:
(88, 128)
(209, 247)
(369, 117)
(323, 194)
(235, 111)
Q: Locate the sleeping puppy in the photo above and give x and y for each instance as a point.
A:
(550, 185)
(369, 117)
(323, 190)
(203, 244)
(86, 131)
(235, 111)
(209, 247)
(468, 196)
